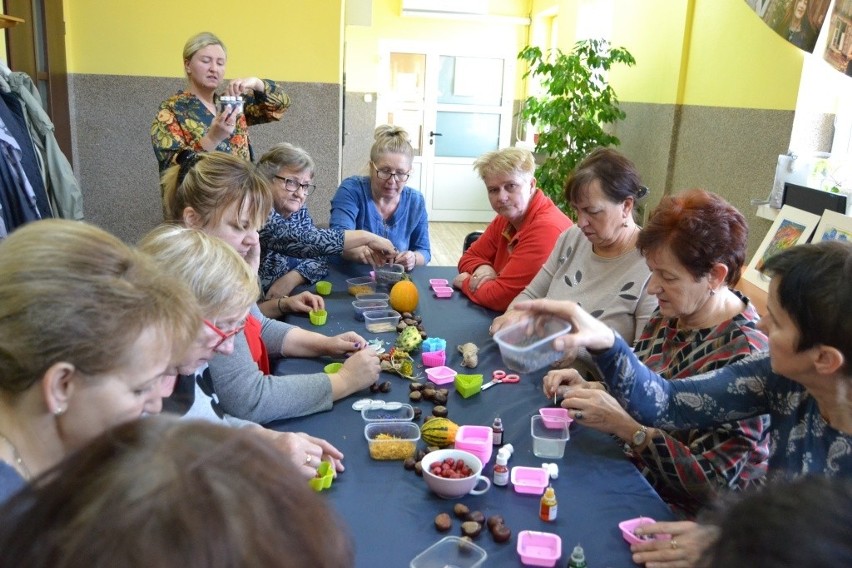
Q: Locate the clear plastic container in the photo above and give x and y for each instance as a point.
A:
(373, 296)
(527, 346)
(361, 285)
(548, 442)
(450, 551)
(381, 321)
(405, 413)
(388, 275)
(362, 306)
(392, 440)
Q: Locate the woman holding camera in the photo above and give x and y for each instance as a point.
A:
(197, 119)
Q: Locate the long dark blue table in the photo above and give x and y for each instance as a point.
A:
(390, 511)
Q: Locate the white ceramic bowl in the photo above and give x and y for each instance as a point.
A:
(454, 488)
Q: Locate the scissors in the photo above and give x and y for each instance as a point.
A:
(500, 376)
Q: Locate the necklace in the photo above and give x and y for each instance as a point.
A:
(17, 457)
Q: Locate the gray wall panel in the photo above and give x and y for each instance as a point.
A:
(111, 121)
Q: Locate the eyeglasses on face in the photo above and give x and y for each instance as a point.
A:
(292, 185)
(385, 174)
(224, 335)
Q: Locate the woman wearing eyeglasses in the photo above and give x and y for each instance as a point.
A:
(381, 202)
(293, 250)
(226, 288)
(88, 330)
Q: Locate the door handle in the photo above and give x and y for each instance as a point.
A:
(432, 136)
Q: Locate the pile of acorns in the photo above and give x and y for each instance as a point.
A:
(408, 319)
(472, 522)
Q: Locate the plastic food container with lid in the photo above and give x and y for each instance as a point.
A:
(527, 345)
(362, 306)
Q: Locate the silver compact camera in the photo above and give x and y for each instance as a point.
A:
(236, 104)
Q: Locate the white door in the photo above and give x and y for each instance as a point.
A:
(456, 106)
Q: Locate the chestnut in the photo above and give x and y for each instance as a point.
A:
(419, 454)
(415, 396)
(430, 449)
(418, 469)
(429, 393)
(501, 533)
(409, 464)
(476, 517)
(385, 386)
(470, 528)
(439, 398)
(415, 386)
(374, 387)
(443, 522)
(461, 510)
(417, 412)
(440, 411)
(494, 521)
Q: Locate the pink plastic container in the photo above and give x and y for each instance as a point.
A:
(539, 548)
(554, 418)
(435, 359)
(443, 291)
(628, 527)
(438, 282)
(441, 375)
(476, 440)
(532, 480)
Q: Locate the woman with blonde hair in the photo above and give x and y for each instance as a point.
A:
(89, 327)
(224, 196)
(225, 288)
(508, 255)
(381, 202)
(194, 119)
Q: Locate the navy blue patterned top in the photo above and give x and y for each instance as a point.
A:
(801, 441)
(295, 243)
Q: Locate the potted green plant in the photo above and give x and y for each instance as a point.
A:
(569, 117)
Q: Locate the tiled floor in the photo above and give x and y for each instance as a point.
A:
(447, 240)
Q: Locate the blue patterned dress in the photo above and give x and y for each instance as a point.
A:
(295, 243)
(801, 441)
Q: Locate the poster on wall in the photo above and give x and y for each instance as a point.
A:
(792, 227)
(797, 21)
(838, 48)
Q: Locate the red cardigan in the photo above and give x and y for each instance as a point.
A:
(515, 256)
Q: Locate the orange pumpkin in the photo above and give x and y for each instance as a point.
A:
(404, 296)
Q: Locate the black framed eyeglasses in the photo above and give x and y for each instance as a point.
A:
(385, 175)
(292, 185)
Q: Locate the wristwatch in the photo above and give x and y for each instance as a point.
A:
(638, 437)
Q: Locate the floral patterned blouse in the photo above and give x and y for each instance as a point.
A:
(182, 121)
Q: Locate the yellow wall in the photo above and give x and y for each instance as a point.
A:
(289, 40)
(694, 52)
(363, 43)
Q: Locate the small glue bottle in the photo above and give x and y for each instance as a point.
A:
(497, 432)
(501, 472)
(578, 558)
(547, 512)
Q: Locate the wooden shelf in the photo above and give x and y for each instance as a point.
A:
(9, 21)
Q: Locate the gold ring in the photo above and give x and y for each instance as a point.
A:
(674, 544)
(308, 459)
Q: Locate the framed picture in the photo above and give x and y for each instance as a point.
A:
(792, 227)
(833, 227)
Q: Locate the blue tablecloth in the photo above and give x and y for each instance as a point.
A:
(390, 511)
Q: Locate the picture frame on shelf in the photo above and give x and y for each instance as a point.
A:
(833, 226)
(792, 227)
